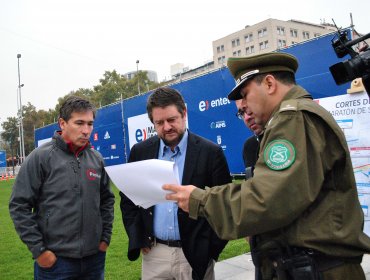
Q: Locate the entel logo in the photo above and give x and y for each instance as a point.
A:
(204, 105)
(145, 133)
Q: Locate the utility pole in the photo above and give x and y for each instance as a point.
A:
(137, 74)
(23, 154)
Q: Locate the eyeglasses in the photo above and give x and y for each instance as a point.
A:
(240, 114)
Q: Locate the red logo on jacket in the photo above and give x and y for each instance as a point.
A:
(92, 174)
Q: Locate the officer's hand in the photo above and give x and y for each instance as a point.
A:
(103, 246)
(47, 259)
(145, 251)
(181, 194)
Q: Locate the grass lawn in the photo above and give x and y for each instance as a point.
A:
(16, 261)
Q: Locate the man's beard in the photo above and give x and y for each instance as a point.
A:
(174, 142)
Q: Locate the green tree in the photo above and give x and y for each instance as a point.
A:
(114, 86)
(32, 119)
(145, 84)
(10, 135)
(111, 86)
(82, 92)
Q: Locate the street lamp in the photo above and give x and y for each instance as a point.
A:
(11, 149)
(137, 74)
(19, 124)
(21, 113)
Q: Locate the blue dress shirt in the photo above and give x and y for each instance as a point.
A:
(166, 225)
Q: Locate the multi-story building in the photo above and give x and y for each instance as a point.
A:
(266, 36)
(152, 75)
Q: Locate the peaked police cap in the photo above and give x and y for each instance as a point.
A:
(244, 68)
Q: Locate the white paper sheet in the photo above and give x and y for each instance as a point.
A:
(142, 181)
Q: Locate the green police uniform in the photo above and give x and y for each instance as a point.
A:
(303, 192)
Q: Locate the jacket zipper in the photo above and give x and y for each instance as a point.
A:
(81, 201)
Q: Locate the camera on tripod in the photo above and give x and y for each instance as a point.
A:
(358, 66)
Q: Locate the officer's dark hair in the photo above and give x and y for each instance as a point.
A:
(285, 77)
(163, 97)
(75, 104)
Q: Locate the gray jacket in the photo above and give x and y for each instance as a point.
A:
(61, 201)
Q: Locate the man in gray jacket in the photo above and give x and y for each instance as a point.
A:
(61, 204)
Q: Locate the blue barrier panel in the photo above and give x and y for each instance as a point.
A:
(107, 136)
(45, 133)
(210, 114)
(2, 159)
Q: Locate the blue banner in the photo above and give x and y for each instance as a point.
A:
(2, 159)
(210, 114)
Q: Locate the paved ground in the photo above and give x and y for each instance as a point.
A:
(241, 268)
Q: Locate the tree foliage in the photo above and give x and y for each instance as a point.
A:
(112, 87)
(10, 135)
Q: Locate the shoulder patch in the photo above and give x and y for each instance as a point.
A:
(289, 105)
(279, 154)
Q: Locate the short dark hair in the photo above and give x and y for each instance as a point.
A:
(75, 104)
(163, 97)
(285, 77)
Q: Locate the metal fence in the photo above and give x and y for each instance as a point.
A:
(9, 171)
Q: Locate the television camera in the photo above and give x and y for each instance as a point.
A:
(358, 66)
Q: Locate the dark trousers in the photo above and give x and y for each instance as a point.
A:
(87, 268)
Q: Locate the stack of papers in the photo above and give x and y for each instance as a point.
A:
(142, 181)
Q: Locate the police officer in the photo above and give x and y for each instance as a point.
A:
(302, 202)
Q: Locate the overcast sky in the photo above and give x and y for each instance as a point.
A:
(69, 44)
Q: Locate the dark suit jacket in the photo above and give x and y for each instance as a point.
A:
(250, 151)
(205, 165)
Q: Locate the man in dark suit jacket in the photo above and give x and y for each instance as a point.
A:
(251, 145)
(250, 151)
(203, 164)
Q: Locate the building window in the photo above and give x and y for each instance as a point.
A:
(235, 42)
(264, 45)
(306, 35)
(221, 59)
(249, 50)
(237, 53)
(317, 35)
(281, 43)
(294, 33)
(220, 48)
(280, 30)
(262, 32)
(248, 38)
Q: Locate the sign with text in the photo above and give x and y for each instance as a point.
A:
(352, 113)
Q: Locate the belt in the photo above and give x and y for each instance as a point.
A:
(169, 243)
(325, 262)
